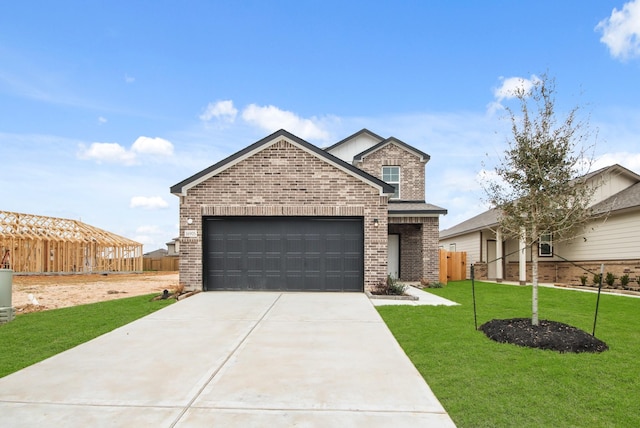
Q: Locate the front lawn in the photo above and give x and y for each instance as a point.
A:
(482, 383)
(33, 337)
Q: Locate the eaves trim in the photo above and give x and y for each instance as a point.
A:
(181, 188)
(392, 140)
(350, 137)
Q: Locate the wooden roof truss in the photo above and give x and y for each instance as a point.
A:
(39, 244)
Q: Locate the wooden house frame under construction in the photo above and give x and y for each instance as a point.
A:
(38, 244)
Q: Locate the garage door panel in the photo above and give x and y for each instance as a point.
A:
(272, 264)
(351, 263)
(294, 263)
(294, 243)
(313, 263)
(234, 263)
(273, 243)
(283, 253)
(256, 244)
(234, 243)
(334, 263)
(255, 262)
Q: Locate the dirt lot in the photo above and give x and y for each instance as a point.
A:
(59, 291)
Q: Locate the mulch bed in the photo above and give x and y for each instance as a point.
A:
(551, 335)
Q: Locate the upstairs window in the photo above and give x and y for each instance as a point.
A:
(545, 245)
(391, 175)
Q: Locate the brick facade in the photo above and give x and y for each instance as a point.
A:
(419, 255)
(570, 273)
(283, 179)
(564, 272)
(411, 169)
(419, 236)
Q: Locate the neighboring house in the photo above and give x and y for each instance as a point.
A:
(160, 252)
(612, 238)
(173, 247)
(283, 214)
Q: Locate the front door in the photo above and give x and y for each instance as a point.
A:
(393, 256)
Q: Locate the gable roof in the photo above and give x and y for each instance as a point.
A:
(625, 199)
(611, 169)
(392, 140)
(160, 252)
(481, 221)
(182, 187)
(351, 137)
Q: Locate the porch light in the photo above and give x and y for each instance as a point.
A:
(376, 223)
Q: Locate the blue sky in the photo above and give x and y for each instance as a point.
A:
(105, 105)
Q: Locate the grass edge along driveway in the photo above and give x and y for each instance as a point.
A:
(33, 337)
(482, 383)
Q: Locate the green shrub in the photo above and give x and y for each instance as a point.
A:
(583, 280)
(394, 287)
(610, 279)
(596, 279)
(624, 280)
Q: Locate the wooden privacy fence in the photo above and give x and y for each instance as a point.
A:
(161, 263)
(453, 266)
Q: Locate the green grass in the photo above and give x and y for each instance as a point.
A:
(33, 337)
(482, 383)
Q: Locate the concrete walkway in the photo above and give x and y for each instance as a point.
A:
(231, 359)
(424, 299)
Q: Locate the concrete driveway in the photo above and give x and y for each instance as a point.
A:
(232, 359)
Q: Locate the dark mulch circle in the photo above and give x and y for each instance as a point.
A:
(552, 335)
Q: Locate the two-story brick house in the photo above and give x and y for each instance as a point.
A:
(283, 214)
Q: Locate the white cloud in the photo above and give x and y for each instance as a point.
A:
(485, 176)
(152, 146)
(102, 120)
(508, 89)
(107, 152)
(512, 85)
(267, 118)
(621, 31)
(129, 79)
(628, 160)
(148, 203)
(271, 118)
(115, 153)
(224, 111)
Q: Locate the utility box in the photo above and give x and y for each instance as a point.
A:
(7, 312)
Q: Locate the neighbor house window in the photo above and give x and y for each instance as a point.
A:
(452, 248)
(545, 245)
(391, 174)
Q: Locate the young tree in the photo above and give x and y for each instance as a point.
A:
(540, 187)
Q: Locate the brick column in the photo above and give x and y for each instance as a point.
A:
(430, 250)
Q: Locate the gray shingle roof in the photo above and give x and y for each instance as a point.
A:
(625, 199)
(414, 207)
(612, 168)
(479, 222)
(178, 189)
(352, 136)
(392, 140)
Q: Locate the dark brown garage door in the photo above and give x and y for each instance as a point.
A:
(283, 253)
